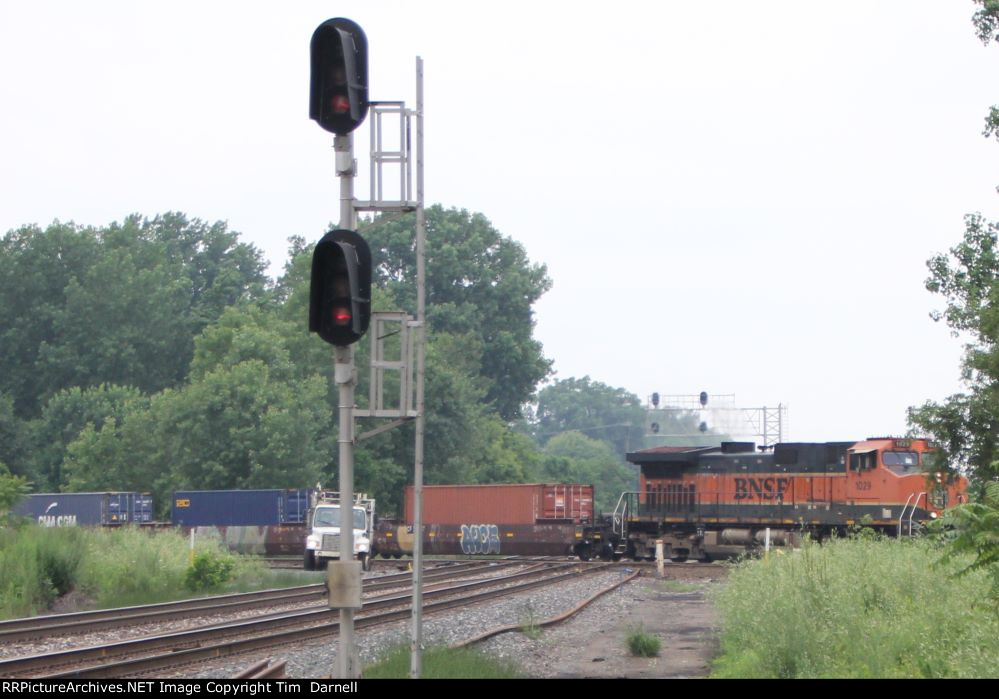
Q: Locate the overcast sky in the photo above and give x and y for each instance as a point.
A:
(736, 197)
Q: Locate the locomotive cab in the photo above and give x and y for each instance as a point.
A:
(899, 474)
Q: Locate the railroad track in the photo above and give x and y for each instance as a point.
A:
(60, 625)
(673, 566)
(295, 562)
(194, 646)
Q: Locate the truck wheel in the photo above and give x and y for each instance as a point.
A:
(365, 561)
(310, 561)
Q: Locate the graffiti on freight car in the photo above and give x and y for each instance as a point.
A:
(480, 538)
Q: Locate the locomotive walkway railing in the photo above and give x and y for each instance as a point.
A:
(912, 512)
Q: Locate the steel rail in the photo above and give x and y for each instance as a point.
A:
(85, 622)
(179, 641)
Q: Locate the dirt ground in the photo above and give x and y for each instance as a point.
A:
(676, 610)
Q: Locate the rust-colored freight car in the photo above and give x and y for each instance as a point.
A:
(500, 519)
(519, 503)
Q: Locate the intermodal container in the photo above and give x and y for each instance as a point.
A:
(239, 508)
(86, 509)
(519, 503)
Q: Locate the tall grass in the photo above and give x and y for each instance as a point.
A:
(111, 567)
(36, 567)
(857, 608)
(442, 664)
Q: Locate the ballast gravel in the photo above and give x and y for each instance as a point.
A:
(318, 659)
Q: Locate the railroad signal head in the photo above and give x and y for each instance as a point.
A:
(340, 291)
(704, 398)
(338, 94)
(655, 400)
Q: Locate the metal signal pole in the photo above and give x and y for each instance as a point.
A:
(347, 662)
(416, 645)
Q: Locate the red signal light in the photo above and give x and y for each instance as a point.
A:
(341, 316)
(340, 104)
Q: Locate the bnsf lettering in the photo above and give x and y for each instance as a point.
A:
(761, 488)
(60, 521)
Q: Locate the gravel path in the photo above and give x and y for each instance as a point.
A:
(594, 642)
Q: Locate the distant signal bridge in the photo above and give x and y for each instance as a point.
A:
(719, 414)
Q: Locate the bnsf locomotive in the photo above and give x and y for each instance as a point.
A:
(708, 502)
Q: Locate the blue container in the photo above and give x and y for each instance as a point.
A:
(86, 509)
(239, 508)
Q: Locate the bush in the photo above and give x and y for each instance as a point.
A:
(209, 570)
(857, 608)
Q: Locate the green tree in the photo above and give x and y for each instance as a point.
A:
(12, 489)
(967, 424)
(63, 418)
(986, 21)
(14, 445)
(119, 305)
(246, 419)
(572, 457)
(465, 440)
(35, 269)
(613, 415)
(480, 284)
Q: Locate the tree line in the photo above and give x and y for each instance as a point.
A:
(966, 424)
(155, 354)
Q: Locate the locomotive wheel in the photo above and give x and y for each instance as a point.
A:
(606, 552)
(584, 553)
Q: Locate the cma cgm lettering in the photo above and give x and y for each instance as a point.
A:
(57, 521)
(761, 488)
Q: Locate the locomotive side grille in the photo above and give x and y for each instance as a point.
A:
(673, 497)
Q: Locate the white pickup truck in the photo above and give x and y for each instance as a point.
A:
(323, 542)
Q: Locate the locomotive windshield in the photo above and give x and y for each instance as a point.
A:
(901, 461)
